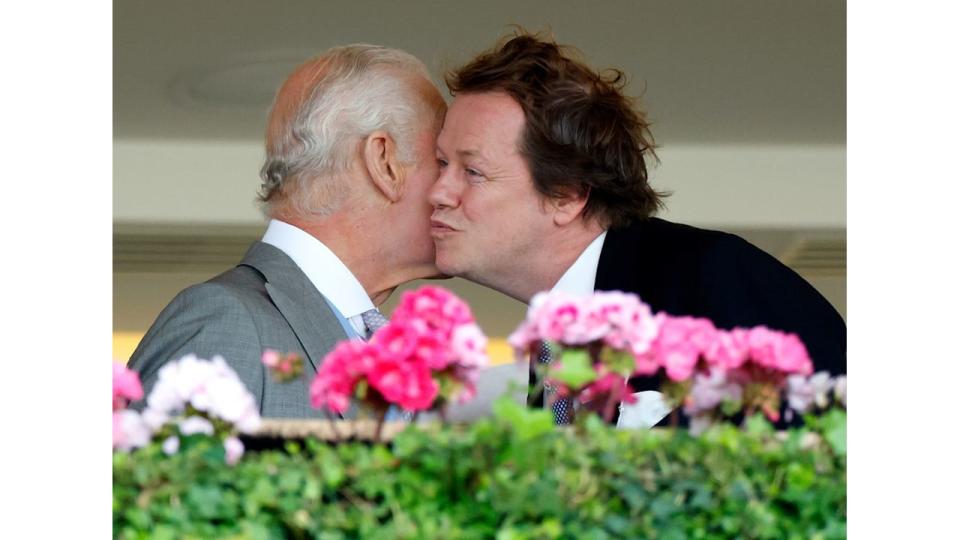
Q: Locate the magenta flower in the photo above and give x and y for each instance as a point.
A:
(433, 308)
(431, 342)
(406, 383)
(339, 373)
(126, 386)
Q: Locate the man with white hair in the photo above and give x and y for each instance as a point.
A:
(349, 162)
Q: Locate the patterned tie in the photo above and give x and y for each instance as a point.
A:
(373, 320)
(561, 407)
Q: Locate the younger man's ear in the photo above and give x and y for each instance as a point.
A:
(569, 207)
(380, 159)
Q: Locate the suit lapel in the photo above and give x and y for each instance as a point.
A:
(617, 268)
(305, 309)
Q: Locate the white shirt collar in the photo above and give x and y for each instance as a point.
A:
(581, 277)
(322, 267)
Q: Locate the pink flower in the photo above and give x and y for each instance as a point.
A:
(129, 430)
(779, 351)
(469, 345)
(233, 448)
(408, 384)
(338, 375)
(270, 358)
(804, 392)
(729, 350)
(629, 322)
(126, 386)
(709, 391)
(681, 343)
(609, 383)
(435, 308)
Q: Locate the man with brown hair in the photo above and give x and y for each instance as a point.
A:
(543, 186)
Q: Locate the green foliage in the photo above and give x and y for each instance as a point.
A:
(574, 369)
(505, 478)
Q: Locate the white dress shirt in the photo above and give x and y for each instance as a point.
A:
(580, 278)
(324, 269)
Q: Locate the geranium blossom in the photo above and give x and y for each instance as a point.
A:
(709, 391)
(210, 387)
(129, 430)
(431, 343)
(126, 386)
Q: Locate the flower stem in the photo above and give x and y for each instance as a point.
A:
(380, 422)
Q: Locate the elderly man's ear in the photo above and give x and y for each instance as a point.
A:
(380, 159)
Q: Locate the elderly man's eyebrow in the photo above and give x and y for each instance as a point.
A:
(470, 153)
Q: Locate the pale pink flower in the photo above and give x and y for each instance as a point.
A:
(126, 386)
(799, 393)
(154, 418)
(233, 448)
(171, 445)
(709, 391)
(209, 386)
(196, 424)
(270, 358)
(804, 392)
(469, 345)
(700, 423)
(129, 430)
(840, 389)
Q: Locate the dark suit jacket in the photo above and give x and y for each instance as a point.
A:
(265, 302)
(684, 270)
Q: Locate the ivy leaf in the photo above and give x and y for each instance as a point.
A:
(574, 369)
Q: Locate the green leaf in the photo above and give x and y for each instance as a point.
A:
(757, 424)
(574, 369)
(835, 430)
(621, 362)
(527, 423)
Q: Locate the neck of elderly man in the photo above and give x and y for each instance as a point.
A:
(363, 233)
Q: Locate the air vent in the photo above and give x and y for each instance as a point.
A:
(817, 256)
(183, 249)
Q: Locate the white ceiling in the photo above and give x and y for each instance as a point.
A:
(737, 71)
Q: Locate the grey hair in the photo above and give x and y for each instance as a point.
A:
(327, 107)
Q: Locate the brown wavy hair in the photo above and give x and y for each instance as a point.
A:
(581, 134)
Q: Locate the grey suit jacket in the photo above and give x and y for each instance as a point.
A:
(265, 302)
